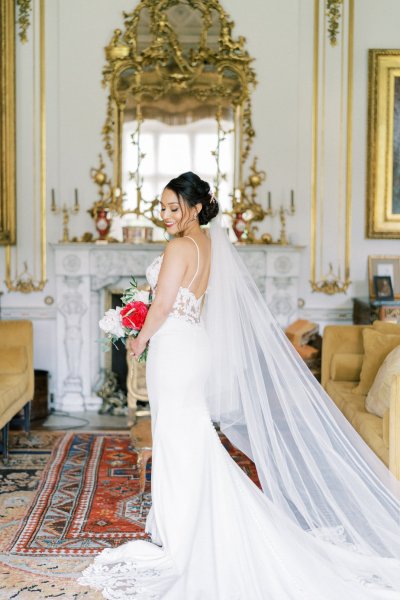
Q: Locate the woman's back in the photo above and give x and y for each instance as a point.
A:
(199, 261)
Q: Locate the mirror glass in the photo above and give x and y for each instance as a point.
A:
(162, 150)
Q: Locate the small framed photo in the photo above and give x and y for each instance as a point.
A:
(383, 287)
(384, 266)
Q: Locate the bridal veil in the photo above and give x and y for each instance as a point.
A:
(311, 462)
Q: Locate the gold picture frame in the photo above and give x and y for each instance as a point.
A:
(383, 179)
(382, 265)
(7, 124)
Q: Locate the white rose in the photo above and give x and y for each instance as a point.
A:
(111, 323)
(142, 296)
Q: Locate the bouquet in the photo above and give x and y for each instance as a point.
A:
(125, 321)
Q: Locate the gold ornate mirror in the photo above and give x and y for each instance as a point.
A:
(179, 99)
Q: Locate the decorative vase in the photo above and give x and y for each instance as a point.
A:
(103, 223)
(239, 225)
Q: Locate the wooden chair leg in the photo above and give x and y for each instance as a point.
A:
(144, 455)
(4, 442)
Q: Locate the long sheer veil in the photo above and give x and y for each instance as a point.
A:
(311, 463)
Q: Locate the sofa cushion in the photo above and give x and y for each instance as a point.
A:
(349, 403)
(346, 366)
(12, 387)
(376, 347)
(378, 398)
(370, 427)
(337, 390)
(372, 433)
(13, 360)
(386, 327)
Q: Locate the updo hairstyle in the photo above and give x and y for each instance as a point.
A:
(193, 190)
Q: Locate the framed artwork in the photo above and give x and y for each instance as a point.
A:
(383, 287)
(384, 267)
(383, 169)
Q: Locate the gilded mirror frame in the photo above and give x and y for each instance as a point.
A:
(123, 55)
(7, 124)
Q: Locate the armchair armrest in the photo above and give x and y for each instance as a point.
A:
(20, 333)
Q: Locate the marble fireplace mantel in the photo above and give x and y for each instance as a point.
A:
(85, 275)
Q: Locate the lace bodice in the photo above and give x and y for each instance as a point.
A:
(186, 305)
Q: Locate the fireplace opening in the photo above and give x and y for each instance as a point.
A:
(118, 352)
(117, 398)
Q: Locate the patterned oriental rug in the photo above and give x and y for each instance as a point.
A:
(63, 498)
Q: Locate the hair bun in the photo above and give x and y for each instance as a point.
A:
(193, 190)
(209, 210)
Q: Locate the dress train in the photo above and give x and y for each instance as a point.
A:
(215, 535)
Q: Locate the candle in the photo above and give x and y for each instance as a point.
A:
(292, 198)
(269, 200)
(53, 200)
(76, 198)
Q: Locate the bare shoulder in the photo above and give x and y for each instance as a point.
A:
(177, 249)
(176, 245)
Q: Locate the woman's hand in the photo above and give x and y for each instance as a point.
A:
(136, 346)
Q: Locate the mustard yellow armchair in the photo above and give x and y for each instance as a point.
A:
(16, 375)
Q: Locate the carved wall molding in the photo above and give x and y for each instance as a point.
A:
(24, 18)
(331, 177)
(34, 313)
(26, 280)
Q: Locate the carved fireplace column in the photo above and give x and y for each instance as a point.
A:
(73, 331)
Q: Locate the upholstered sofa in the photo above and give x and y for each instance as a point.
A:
(342, 360)
(16, 374)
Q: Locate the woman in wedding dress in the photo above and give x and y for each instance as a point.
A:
(325, 526)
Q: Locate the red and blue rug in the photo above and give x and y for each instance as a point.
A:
(88, 497)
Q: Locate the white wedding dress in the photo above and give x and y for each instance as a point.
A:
(215, 534)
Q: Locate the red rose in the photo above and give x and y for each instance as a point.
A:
(134, 314)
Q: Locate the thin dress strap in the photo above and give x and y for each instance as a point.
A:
(198, 259)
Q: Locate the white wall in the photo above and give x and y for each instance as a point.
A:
(280, 37)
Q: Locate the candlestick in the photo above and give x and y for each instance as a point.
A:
(65, 212)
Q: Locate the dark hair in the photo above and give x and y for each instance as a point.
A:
(193, 190)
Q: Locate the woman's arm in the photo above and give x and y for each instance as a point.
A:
(172, 272)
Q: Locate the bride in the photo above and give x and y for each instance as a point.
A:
(325, 526)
